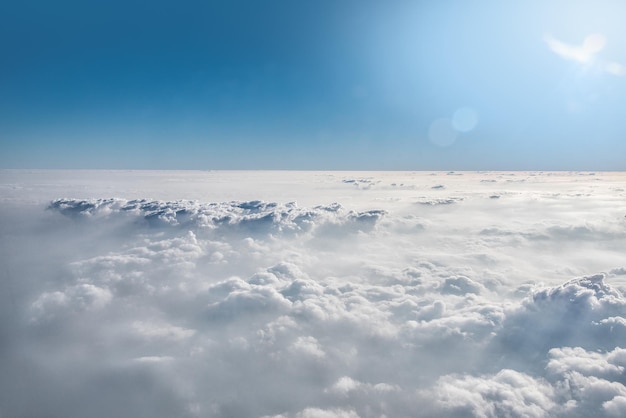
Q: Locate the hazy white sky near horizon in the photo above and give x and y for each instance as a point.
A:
(397, 85)
(312, 294)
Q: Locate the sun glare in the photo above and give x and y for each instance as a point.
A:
(587, 53)
(594, 43)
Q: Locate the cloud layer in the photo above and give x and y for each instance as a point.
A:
(407, 298)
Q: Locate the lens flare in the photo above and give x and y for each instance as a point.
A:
(465, 119)
(442, 133)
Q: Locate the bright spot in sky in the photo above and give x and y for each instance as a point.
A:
(594, 43)
(586, 53)
(442, 132)
(465, 119)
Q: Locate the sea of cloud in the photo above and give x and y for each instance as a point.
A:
(312, 294)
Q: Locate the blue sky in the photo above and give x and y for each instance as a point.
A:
(324, 84)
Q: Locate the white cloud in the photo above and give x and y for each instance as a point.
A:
(507, 393)
(567, 359)
(321, 413)
(616, 407)
(75, 298)
(375, 307)
(164, 331)
(244, 217)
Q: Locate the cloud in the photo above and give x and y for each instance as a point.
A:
(569, 360)
(507, 393)
(75, 298)
(616, 407)
(576, 313)
(245, 217)
(320, 413)
(577, 383)
(461, 286)
(371, 307)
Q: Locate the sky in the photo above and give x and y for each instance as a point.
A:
(332, 85)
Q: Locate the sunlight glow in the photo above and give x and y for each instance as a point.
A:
(586, 53)
(594, 43)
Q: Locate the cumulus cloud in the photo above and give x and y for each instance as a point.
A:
(579, 312)
(377, 306)
(507, 393)
(75, 298)
(250, 216)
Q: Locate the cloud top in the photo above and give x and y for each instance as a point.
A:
(256, 214)
(430, 298)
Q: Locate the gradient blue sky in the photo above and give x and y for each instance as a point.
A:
(325, 84)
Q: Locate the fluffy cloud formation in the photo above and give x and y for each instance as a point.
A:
(253, 216)
(248, 308)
